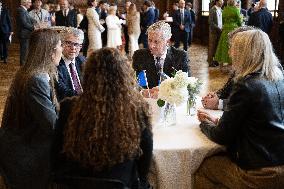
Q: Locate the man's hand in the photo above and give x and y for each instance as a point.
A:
(210, 101)
(181, 27)
(204, 116)
(151, 93)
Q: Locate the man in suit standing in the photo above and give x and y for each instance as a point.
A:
(66, 17)
(147, 20)
(182, 22)
(26, 24)
(5, 32)
(262, 18)
(159, 58)
(70, 65)
(215, 30)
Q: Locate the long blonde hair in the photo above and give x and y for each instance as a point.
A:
(251, 52)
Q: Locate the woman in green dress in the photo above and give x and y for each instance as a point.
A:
(231, 20)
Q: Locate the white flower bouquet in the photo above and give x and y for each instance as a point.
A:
(176, 90)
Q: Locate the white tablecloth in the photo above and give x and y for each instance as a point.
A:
(178, 150)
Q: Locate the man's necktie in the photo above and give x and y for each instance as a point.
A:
(158, 65)
(75, 79)
(65, 13)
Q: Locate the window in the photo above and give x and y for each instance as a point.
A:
(205, 7)
(272, 6)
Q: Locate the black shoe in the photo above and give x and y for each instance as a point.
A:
(5, 61)
(214, 64)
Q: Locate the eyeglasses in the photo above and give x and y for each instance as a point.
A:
(70, 44)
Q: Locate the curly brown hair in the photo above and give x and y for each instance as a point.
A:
(106, 122)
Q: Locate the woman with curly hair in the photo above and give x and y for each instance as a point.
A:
(106, 131)
(30, 115)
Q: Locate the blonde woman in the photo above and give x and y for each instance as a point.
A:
(94, 27)
(251, 128)
(133, 22)
(113, 28)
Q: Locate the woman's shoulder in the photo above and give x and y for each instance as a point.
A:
(39, 80)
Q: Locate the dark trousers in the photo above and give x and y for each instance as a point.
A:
(24, 45)
(85, 44)
(144, 39)
(4, 40)
(182, 36)
(126, 37)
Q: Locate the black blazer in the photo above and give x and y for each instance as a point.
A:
(5, 22)
(70, 20)
(261, 19)
(176, 59)
(64, 87)
(25, 23)
(252, 127)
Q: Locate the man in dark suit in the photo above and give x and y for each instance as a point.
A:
(159, 58)
(70, 65)
(147, 20)
(66, 16)
(5, 32)
(182, 22)
(262, 18)
(26, 24)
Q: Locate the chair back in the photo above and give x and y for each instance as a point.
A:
(72, 182)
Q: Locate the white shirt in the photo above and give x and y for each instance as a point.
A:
(219, 17)
(67, 63)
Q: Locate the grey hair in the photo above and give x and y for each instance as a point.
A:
(162, 26)
(231, 2)
(24, 1)
(251, 52)
(65, 32)
(238, 30)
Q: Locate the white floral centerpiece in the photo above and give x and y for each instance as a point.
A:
(175, 91)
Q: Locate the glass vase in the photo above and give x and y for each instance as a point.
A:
(168, 115)
(191, 105)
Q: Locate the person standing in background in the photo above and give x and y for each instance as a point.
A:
(42, 16)
(26, 24)
(5, 32)
(192, 13)
(215, 30)
(66, 16)
(262, 18)
(95, 28)
(182, 22)
(146, 20)
(133, 22)
(114, 28)
(231, 20)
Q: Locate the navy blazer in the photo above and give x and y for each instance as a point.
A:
(25, 23)
(261, 19)
(64, 87)
(5, 22)
(70, 20)
(177, 20)
(176, 59)
(148, 19)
